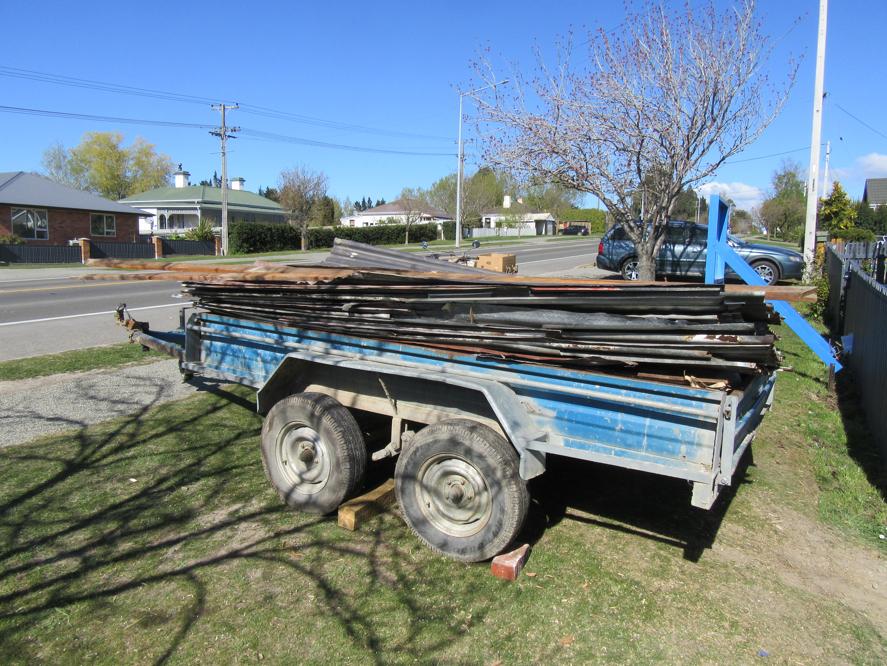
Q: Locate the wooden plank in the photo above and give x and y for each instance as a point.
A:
(356, 511)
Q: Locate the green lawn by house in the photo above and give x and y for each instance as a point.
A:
(156, 538)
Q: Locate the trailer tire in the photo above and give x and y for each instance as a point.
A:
(460, 490)
(313, 452)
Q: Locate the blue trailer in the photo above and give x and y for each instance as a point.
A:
(469, 431)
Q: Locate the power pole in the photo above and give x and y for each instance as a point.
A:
(224, 133)
(459, 172)
(828, 154)
(813, 178)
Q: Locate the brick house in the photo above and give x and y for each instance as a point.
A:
(42, 212)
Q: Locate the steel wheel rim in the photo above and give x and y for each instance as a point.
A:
(630, 270)
(766, 272)
(453, 495)
(303, 458)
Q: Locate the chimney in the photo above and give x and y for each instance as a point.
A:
(237, 183)
(506, 202)
(181, 177)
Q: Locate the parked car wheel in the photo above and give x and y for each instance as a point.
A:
(313, 452)
(768, 271)
(630, 268)
(459, 486)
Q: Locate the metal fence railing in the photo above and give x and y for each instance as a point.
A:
(40, 254)
(834, 269)
(857, 312)
(188, 247)
(108, 250)
(864, 324)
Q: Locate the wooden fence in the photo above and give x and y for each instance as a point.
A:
(857, 313)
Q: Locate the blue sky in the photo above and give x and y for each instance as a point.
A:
(390, 66)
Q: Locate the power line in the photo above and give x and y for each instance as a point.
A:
(255, 134)
(283, 138)
(862, 122)
(766, 157)
(97, 118)
(332, 124)
(91, 84)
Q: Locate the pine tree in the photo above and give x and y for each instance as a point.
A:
(836, 211)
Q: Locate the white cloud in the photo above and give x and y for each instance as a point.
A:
(873, 165)
(744, 195)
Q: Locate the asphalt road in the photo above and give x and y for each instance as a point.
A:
(46, 311)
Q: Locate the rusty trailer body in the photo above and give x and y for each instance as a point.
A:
(694, 433)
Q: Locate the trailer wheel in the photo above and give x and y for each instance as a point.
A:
(313, 452)
(459, 487)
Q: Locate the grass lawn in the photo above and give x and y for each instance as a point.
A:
(763, 240)
(157, 538)
(76, 361)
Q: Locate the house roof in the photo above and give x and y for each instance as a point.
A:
(30, 189)
(875, 193)
(516, 208)
(204, 196)
(400, 207)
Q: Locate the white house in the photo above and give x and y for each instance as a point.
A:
(396, 212)
(174, 210)
(514, 220)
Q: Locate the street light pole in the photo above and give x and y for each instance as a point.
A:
(461, 157)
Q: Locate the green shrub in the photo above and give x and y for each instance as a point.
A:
(594, 219)
(202, 232)
(244, 238)
(854, 235)
(449, 230)
(247, 237)
(820, 307)
(11, 239)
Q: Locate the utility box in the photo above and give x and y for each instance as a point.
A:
(501, 263)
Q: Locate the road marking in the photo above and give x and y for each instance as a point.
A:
(104, 283)
(67, 277)
(93, 314)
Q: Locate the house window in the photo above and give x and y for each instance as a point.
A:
(30, 223)
(162, 222)
(102, 225)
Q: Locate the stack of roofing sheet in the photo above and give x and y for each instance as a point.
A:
(667, 330)
(653, 328)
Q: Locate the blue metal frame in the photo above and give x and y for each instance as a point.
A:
(720, 253)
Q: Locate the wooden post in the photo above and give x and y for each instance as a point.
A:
(218, 240)
(85, 250)
(158, 247)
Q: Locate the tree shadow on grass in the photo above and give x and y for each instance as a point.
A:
(110, 533)
(646, 505)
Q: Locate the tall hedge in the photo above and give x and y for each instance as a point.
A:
(247, 237)
(595, 219)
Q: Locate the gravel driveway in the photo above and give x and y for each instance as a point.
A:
(35, 407)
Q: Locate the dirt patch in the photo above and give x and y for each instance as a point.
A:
(811, 557)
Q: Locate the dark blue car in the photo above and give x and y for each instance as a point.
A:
(683, 254)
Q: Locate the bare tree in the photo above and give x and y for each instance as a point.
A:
(659, 106)
(300, 188)
(413, 202)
